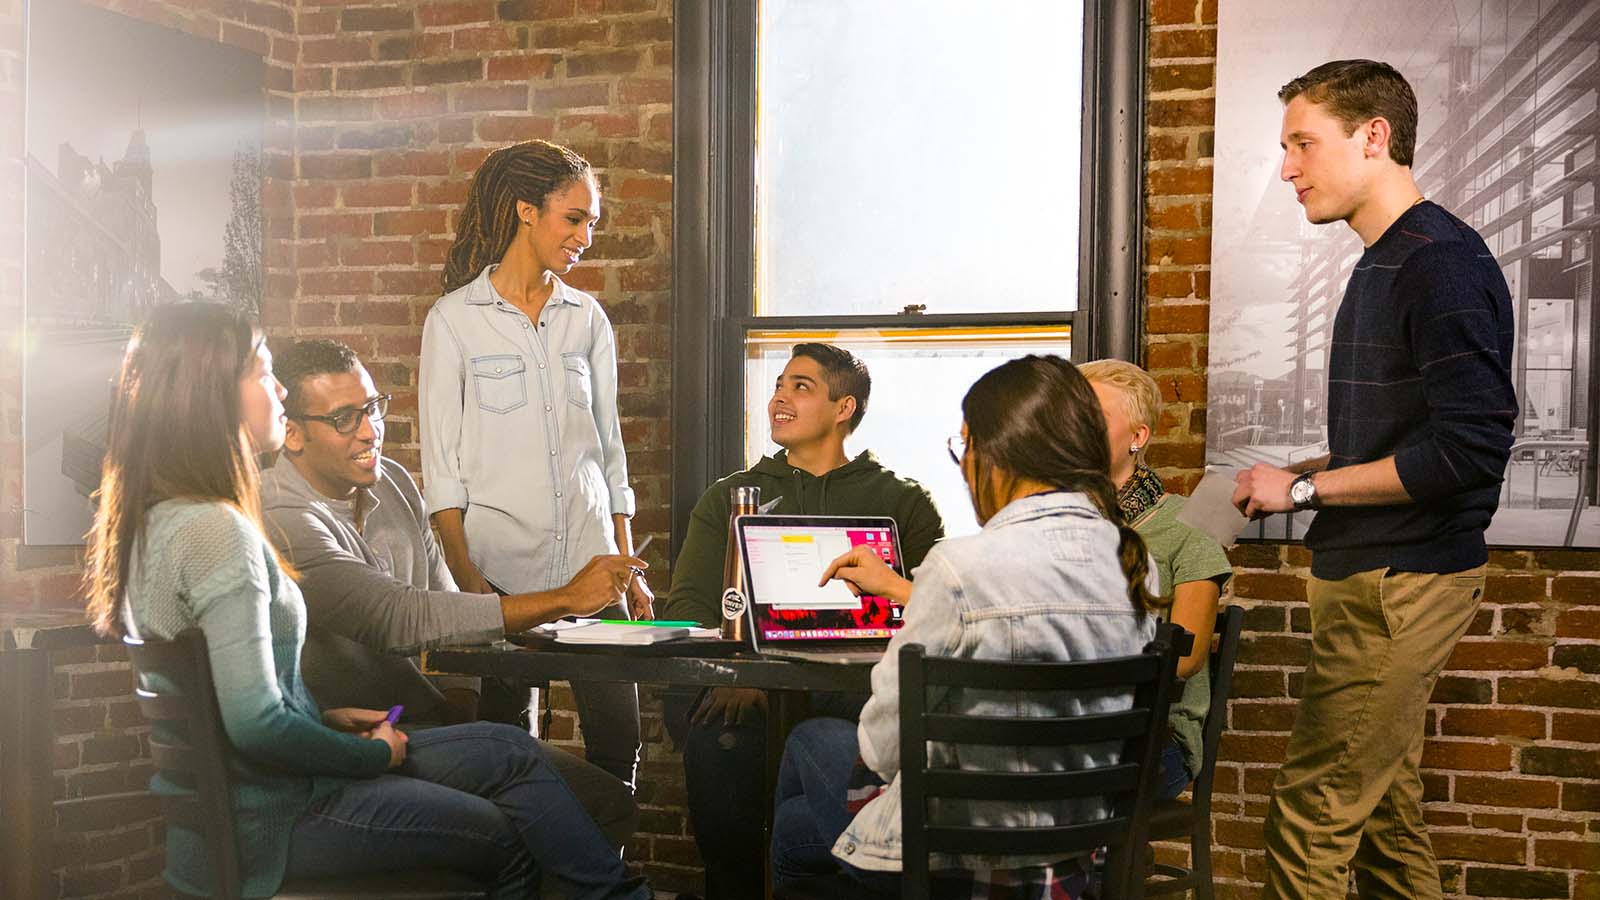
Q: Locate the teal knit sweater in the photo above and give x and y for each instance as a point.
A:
(204, 564)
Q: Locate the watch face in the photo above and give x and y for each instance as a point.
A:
(1301, 491)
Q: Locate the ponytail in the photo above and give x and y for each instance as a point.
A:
(1037, 417)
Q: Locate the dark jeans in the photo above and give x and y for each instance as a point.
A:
(724, 770)
(1174, 775)
(480, 798)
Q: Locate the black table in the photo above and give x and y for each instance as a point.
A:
(688, 662)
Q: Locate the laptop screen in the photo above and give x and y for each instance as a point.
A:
(785, 556)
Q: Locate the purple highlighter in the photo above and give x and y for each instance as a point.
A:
(394, 713)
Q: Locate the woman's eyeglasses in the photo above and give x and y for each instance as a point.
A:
(349, 419)
(957, 446)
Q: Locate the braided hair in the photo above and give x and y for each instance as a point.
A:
(530, 171)
(1038, 418)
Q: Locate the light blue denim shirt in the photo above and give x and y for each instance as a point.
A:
(1041, 581)
(520, 431)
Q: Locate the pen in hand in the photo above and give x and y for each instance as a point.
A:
(394, 713)
(639, 551)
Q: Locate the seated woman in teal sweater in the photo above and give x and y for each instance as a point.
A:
(177, 543)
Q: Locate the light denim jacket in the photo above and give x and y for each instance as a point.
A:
(520, 431)
(1041, 581)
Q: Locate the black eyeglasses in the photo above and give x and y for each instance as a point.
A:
(956, 445)
(349, 419)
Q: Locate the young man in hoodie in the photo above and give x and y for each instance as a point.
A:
(819, 399)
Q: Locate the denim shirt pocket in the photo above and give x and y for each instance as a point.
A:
(501, 382)
(580, 389)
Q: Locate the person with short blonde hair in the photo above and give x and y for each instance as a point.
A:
(1191, 566)
(1138, 397)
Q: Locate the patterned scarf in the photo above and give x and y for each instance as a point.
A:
(1141, 493)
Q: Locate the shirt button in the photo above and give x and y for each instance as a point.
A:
(541, 365)
(552, 453)
(558, 537)
(547, 409)
(498, 370)
(558, 493)
(524, 324)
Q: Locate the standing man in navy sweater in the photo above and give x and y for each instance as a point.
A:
(1420, 413)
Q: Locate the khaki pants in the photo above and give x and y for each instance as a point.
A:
(1349, 788)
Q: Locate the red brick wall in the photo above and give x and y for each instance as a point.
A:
(381, 112)
(1512, 759)
(109, 845)
(377, 116)
(395, 106)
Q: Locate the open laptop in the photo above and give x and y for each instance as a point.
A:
(789, 616)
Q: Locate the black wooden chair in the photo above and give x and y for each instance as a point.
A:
(1128, 788)
(200, 757)
(1175, 819)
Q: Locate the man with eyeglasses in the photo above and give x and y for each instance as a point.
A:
(353, 523)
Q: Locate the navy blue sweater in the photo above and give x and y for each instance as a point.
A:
(1420, 368)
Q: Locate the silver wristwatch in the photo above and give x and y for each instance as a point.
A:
(1303, 493)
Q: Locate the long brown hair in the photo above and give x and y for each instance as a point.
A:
(176, 430)
(530, 171)
(1036, 417)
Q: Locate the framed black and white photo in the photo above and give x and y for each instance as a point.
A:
(143, 187)
(1506, 141)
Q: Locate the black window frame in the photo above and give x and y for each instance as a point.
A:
(713, 232)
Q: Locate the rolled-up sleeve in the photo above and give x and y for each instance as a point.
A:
(603, 372)
(441, 386)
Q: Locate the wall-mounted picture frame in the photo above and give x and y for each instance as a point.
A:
(143, 187)
(1506, 141)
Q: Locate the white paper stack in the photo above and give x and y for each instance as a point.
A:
(610, 633)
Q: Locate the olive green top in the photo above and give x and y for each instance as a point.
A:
(1182, 555)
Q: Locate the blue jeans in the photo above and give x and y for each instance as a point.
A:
(479, 798)
(808, 808)
(1174, 775)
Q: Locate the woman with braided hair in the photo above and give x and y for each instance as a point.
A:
(1054, 575)
(522, 457)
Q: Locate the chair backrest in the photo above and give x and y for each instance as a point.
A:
(189, 744)
(1127, 788)
(1230, 624)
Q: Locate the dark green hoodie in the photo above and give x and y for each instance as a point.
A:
(860, 487)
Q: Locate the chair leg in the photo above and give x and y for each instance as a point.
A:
(1200, 861)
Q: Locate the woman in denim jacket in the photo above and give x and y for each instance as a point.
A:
(1075, 584)
(523, 467)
